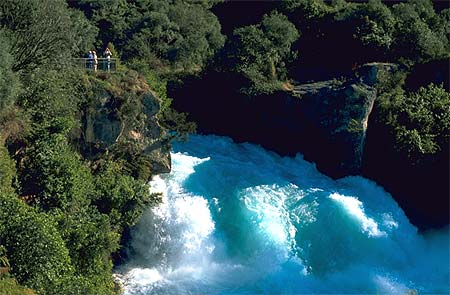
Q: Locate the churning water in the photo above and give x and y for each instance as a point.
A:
(238, 219)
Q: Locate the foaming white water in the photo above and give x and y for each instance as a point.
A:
(355, 208)
(237, 219)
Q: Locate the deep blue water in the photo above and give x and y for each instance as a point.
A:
(238, 219)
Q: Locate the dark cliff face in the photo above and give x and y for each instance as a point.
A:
(325, 121)
(420, 188)
(329, 123)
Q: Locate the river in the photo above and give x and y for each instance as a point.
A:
(238, 219)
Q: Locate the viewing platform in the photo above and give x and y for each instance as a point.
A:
(103, 65)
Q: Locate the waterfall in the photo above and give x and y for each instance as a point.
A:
(238, 219)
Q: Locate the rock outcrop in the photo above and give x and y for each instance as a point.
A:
(123, 111)
(333, 123)
(326, 121)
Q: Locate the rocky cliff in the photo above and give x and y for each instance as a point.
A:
(332, 124)
(326, 121)
(120, 113)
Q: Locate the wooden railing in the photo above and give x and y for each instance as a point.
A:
(104, 64)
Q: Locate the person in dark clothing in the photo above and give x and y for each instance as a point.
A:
(90, 59)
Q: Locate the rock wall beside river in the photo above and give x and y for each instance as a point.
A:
(121, 109)
(326, 121)
(329, 122)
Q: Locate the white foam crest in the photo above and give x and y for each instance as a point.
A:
(143, 276)
(183, 165)
(174, 236)
(386, 285)
(250, 222)
(268, 203)
(355, 208)
(194, 211)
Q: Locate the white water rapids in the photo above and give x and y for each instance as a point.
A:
(237, 219)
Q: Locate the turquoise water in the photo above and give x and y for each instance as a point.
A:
(238, 219)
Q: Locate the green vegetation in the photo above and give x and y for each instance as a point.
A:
(67, 192)
(76, 147)
(120, 196)
(406, 32)
(10, 287)
(419, 120)
(41, 32)
(262, 52)
(171, 36)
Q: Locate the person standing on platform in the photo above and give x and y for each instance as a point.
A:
(108, 54)
(90, 59)
(95, 60)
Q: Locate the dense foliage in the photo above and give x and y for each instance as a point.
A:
(63, 210)
(406, 32)
(65, 206)
(262, 51)
(169, 35)
(43, 31)
(419, 120)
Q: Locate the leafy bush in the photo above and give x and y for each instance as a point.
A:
(121, 196)
(9, 286)
(262, 51)
(36, 251)
(9, 81)
(420, 33)
(7, 171)
(47, 26)
(90, 241)
(54, 92)
(420, 120)
(55, 174)
(169, 35)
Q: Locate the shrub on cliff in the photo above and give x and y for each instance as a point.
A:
(420, 33)
(369, 31)
(36, 251)
(419, 120)
(422, 120)
(90, 241)
(9, 82)
(262, 51)
(55, 174)
(122, 197)
(7, 170)
(10, 286)
(43, 32)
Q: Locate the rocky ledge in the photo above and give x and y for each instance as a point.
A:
(121, 111)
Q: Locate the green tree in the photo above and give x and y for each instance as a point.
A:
(9, 286)
(36, 251)
(420, 120)
(9, 82)
(112, 18)
(169, 35)
(420, 33)
(306, 10)
(263, 50)
(182, 34)
(55, 92)
(7, 171)
(371, 23)
(121, 196)
(55, 174)
(84, 32)
(41, 32)
(90, 241)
